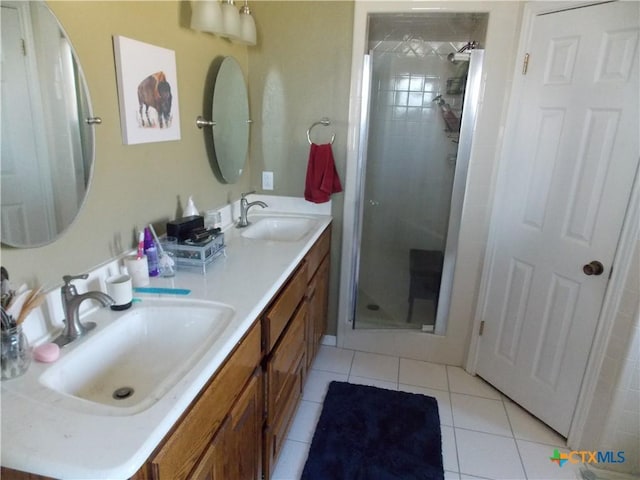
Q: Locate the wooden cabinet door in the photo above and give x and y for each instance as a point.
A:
(213, 464)
(322, 299)
(245, 439)
(236, 450)
(317, 297)
(183, 448)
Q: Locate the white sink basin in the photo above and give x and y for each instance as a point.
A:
(279, 229)
(137, 358)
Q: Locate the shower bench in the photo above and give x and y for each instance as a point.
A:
(425, 273)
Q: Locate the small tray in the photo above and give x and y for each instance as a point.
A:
(201, 254)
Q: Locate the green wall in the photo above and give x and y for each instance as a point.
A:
(136, 184)
(298, 73)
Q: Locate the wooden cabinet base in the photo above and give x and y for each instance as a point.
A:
(9, 474)
(236, 426)
(289, 355)
(183, 448)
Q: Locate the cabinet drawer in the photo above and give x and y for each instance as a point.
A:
(281, 367)
(317, 253)
(184, 445)
(282, 308)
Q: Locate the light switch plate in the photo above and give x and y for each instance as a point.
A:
(267, 180)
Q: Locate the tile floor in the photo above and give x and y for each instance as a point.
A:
(484, 434)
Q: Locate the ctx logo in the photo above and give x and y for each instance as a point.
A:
(585, 456)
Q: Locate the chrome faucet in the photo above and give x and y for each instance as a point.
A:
(244, 209)
(71, 301)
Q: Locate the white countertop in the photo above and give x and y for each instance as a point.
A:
(43, 433)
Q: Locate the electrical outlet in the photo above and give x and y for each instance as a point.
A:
(267, 180)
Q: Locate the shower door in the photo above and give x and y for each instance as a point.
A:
(415, 108)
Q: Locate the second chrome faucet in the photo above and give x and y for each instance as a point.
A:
(245, 205)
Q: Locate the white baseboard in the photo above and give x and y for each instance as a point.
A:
(330, 340)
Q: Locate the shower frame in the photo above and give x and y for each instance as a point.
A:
(469, 114)
(404, 342)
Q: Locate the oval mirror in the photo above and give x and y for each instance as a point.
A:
(47, 142)
(230, 112)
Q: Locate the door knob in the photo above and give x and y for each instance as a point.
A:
(593, 268)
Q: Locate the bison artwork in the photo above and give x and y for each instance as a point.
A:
(154, 91)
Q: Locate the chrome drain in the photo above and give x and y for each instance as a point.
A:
(122, 393)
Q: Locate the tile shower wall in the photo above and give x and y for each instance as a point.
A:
(410, 164)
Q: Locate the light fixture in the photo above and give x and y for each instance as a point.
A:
(247, 26)
(206, 16)
(224, 20)
(230, 20)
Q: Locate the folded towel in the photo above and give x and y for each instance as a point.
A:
(322, 176)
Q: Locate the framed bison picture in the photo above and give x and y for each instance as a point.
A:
(147, 92)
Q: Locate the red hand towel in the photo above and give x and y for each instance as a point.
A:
(322, 176)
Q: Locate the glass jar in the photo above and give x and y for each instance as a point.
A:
(168, 262)
(15, 355)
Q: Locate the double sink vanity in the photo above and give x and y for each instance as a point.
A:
(197, 386)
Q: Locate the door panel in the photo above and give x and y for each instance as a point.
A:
(568, 176)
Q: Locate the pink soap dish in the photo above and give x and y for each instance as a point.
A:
(46, 353)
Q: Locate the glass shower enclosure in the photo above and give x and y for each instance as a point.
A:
(419, 66)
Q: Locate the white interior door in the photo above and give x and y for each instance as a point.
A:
(27, 202)
(568, 172)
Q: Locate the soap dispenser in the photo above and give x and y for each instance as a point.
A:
(190, 210)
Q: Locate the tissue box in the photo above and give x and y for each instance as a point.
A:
(182, 227)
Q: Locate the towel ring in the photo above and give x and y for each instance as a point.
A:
(323, 121)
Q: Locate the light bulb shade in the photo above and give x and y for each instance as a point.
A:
(231, 20)
(206, 16)
(248, 34)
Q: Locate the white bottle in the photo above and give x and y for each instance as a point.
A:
(190, 209)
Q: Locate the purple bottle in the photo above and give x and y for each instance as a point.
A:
(151, 252)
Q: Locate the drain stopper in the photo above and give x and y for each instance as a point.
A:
(122, 393)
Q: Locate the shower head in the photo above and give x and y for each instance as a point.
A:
(439, 100)
(459, 57)
(462, 55)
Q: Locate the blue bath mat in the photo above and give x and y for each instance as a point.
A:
(367, 433)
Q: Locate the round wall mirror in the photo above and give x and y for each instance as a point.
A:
(47, 134)
(230, 112)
